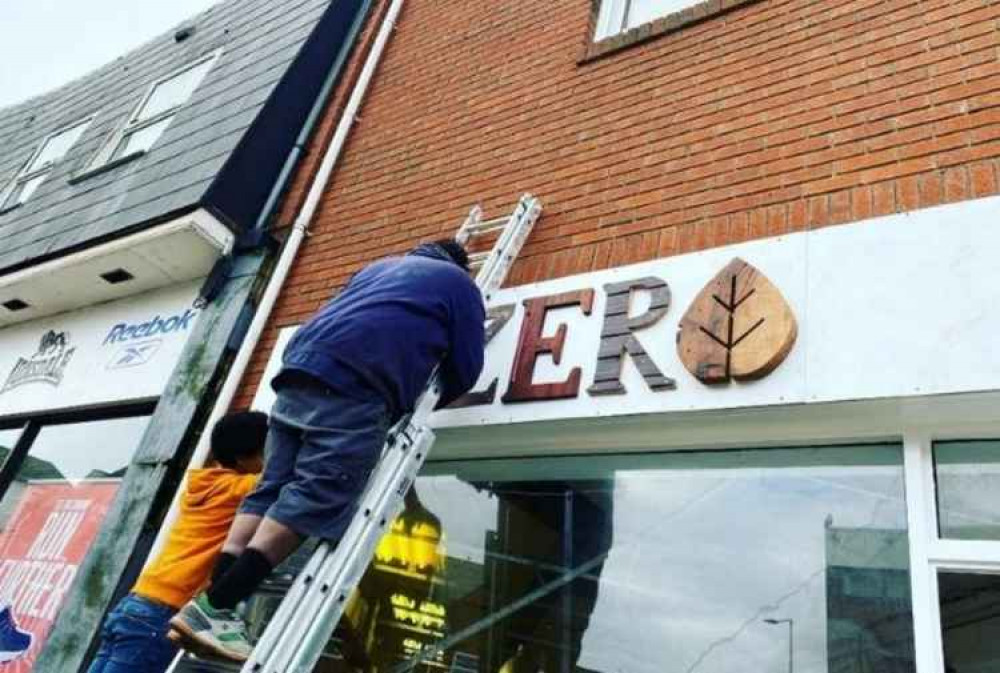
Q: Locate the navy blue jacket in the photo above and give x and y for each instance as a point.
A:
(391, 325)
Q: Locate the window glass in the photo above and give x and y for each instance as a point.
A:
(56, 505)
(173, 92)
(644, 11)
(141, 140)
(620, 15)
(968, 489)
(23, 190)
(671, 563)
(55, 147)
(970, 622)
(8, 438)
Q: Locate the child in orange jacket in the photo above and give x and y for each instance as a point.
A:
(134, 637)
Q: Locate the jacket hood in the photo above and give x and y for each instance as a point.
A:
(205, 484)
(432, 250)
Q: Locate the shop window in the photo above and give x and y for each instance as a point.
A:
(619, 16)
(970, 621)
(159, 106)
(8, 442)
(52, 510)
(968, 489)
(40, 164)
(667, 563)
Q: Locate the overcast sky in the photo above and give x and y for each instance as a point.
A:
(46, 43)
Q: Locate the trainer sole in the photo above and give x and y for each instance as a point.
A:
(6, 657)
(189, 640)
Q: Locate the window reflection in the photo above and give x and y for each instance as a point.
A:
(8, 438)
(644, 11)
(968, 481)
(970, 622)
(643, 564)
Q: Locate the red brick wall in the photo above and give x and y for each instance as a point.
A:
(773, 117)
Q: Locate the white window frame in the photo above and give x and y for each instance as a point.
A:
(613, 17)
(27, 174)
(929, 553)
(135, 125)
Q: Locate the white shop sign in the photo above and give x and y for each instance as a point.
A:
(897, 306)
(123, 350)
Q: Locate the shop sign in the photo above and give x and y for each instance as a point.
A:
(622, 339)
(42, 546)
(112, 352)
(892, 307)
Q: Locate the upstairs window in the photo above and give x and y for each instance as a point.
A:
(40, 165)
(155, 112)
(618, 16)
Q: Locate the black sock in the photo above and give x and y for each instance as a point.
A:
(240, 581)
(222, 566)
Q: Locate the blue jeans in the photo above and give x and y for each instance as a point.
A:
(321, 448)
(134, 638)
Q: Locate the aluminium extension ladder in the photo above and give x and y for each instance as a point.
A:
(296, 636)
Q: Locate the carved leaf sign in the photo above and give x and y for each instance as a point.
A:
(739, 327)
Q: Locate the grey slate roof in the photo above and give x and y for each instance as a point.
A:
(259, 39)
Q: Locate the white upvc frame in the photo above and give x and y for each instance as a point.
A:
(929, 553)
(27, 174)
(613, 17)
(135, 125)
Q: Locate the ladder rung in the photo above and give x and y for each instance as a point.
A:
(477, 259)
(485, 227)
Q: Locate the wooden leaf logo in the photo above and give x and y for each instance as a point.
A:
(739, 327)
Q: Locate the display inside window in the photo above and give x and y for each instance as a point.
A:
(618, 16)
(968, 489)
(970, 621)
(667, 563)
(51, 514)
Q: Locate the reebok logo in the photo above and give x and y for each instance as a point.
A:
(123, 332)
(135, 354)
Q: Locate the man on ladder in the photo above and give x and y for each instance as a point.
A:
(348, 375)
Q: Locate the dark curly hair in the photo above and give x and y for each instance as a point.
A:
(239, 435)
(455, 251)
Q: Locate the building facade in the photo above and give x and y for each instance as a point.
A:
(739, 409)
(135, 206)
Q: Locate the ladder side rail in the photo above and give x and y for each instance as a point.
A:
(288, 608)
(348, 573)
(343, 565)
(509, 245)
(317, 616)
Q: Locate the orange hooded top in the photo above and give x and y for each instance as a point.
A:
(211, 500)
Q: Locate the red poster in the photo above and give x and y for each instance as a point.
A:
(41, 548)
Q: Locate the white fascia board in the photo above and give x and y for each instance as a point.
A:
(201, 222)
